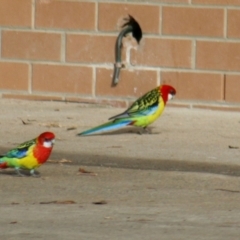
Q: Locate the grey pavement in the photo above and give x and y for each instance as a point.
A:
(180, 182)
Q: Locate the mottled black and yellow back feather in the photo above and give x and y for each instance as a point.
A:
(145, 102)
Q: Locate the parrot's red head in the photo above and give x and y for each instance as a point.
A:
(46, 139)
(167, 92)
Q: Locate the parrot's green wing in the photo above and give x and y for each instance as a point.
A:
(21, 150)
(143, 106)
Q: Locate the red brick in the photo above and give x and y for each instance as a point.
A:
(111, 14)
(15, 13)
(14, 76)
(32, 97)
(98, 101)
(65, 14)
(232, 87)
(233, 23)
(195, 86)
(90, 48)
(131, 83)
(192, 21)
(218, 55)
(217, 2)
(31, 45)
(64, 79)
(163, 52)
(176, 104)
(218, 108)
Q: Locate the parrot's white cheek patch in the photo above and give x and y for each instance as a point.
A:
(48, 144)
(170, 96)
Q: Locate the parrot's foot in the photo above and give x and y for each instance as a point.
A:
(19, 174)
(144, 130)
(33, 174)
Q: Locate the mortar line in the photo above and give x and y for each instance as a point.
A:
(63, 48)
(0, 43)
(194, 44)
(153, 4)
(160, 20)
(33, 13)
(224, 87)
(30, 75)
(94, 82)
(113, 34)
(225, 16)
(96, 16)
(159, 77)
(137, 67)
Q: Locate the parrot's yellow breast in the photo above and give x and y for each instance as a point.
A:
(144, 121)
(29, 162)
(157, 114)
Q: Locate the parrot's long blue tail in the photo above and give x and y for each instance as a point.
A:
(109, 126)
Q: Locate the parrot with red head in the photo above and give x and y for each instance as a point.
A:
(29, 155)
(141, 113)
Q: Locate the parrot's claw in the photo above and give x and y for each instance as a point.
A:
(33, 174)
(19, 174)
(144, 131)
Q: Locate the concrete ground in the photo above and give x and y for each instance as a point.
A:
(180, 182)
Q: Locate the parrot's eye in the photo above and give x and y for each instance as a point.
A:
(46, 139)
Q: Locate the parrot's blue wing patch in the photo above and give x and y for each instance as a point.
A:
(17, 153)
(21, 151)
(146, 112)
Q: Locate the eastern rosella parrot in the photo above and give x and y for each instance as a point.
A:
(141, 113)
(29, 155)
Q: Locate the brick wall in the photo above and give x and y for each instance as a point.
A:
(64, 50)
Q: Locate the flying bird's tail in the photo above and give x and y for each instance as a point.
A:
(109, 126)
(134, 27)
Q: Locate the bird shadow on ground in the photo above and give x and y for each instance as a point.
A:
(149, 164)
(12, 172)
(93, 159)
(9, 172)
